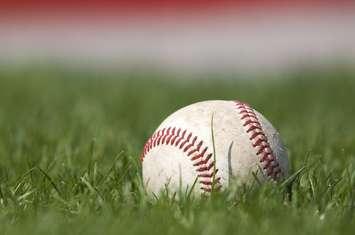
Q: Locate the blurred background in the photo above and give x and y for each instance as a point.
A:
(183, 36)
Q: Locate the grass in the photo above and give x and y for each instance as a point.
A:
(70, 144)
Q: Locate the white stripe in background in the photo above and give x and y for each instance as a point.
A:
(230, 43)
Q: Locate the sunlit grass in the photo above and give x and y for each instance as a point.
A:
(70, 145)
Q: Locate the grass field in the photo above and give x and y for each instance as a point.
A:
(70, 144)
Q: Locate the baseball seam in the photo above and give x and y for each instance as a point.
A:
(193, 148)
(267, 158)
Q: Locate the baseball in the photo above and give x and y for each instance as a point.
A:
(212, 145)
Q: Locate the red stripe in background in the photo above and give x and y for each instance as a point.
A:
(142, 5)
(97, 10)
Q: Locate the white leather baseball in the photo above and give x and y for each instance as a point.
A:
(180, 153)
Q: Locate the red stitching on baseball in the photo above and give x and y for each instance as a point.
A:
(170, 136)
(207, 175)
(259, 141)
(192, 148)
(166, 135)
(185, 141)
(181, 138)
(160, 136)
(175, 136)
(199, 155)
(196, 149)
(203, 161)
(209, 182)
(190, 145)
(205, 167)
